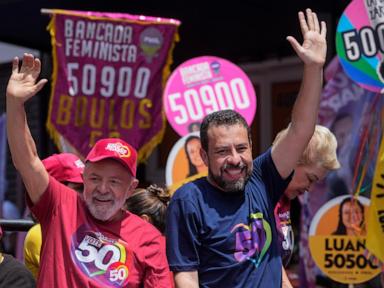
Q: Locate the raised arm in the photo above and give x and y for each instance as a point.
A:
(287, 151)
(21, 87)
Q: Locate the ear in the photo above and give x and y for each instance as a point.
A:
(132, 187)
(134, 184)
(146, 218)
(204, 156)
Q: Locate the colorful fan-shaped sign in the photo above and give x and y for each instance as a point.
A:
(360, 43)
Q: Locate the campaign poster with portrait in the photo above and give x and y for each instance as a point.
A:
(337, 240)
(355, 116)
(184, 162)
(360, 43)
(204, 85)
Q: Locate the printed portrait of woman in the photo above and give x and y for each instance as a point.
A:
(192, 150)
(194, 127)
(351, 218)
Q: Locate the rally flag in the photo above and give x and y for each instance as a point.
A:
(375, 223)
(109, 71)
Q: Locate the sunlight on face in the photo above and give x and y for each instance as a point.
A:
(303, 179)
(107, 184)
(229, 157)
(352, 216)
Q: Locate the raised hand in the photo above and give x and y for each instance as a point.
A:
(22, 83)
(314, 48)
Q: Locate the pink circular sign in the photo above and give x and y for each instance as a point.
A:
(203, 85)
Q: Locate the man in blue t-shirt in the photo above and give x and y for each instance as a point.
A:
(220, 229)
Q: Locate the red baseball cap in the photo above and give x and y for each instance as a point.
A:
(117, 149)
(64, 167)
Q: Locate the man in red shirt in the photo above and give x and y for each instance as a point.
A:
(88, 241)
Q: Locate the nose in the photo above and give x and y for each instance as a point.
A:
(103, 187)
(234, 158)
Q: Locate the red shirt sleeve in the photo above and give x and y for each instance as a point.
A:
(157, 273)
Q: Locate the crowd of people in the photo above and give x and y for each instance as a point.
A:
(229, 229)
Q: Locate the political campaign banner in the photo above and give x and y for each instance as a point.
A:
(338, 237)
(203, 85)
(108, 76)
(375, 233)
(355, 116)
(360, 43)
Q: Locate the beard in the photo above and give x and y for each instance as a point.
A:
(235, 186)
(103, 212)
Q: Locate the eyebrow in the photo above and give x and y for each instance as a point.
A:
(220, 147)
(93, 174)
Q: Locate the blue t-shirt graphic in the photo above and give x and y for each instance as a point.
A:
(230, 239)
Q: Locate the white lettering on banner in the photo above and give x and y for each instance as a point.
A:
(194, 104)
(195, 73)
(99, 40)
(341, 99)
(100, 31)
(100, 50)
(83, 81)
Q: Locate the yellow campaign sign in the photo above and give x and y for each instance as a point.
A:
(337, 240)
(342, 258)
(375, 232)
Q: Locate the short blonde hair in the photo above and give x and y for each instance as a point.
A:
(321, 149)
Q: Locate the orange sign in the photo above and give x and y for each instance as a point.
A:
(184, 161)
(337, 240)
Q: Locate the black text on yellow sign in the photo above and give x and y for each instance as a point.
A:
(343, 259)
(380, 199)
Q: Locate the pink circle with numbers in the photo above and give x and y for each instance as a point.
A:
(203, 85)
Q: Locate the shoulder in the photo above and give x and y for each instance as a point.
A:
(33, 237)
(264, 158)
(34, 232)
(189, 198)
(141, 228)
(263, 165)
(15, 274)
(191, 190)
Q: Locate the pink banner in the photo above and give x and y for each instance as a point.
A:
(203, 85)
(108, 78)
